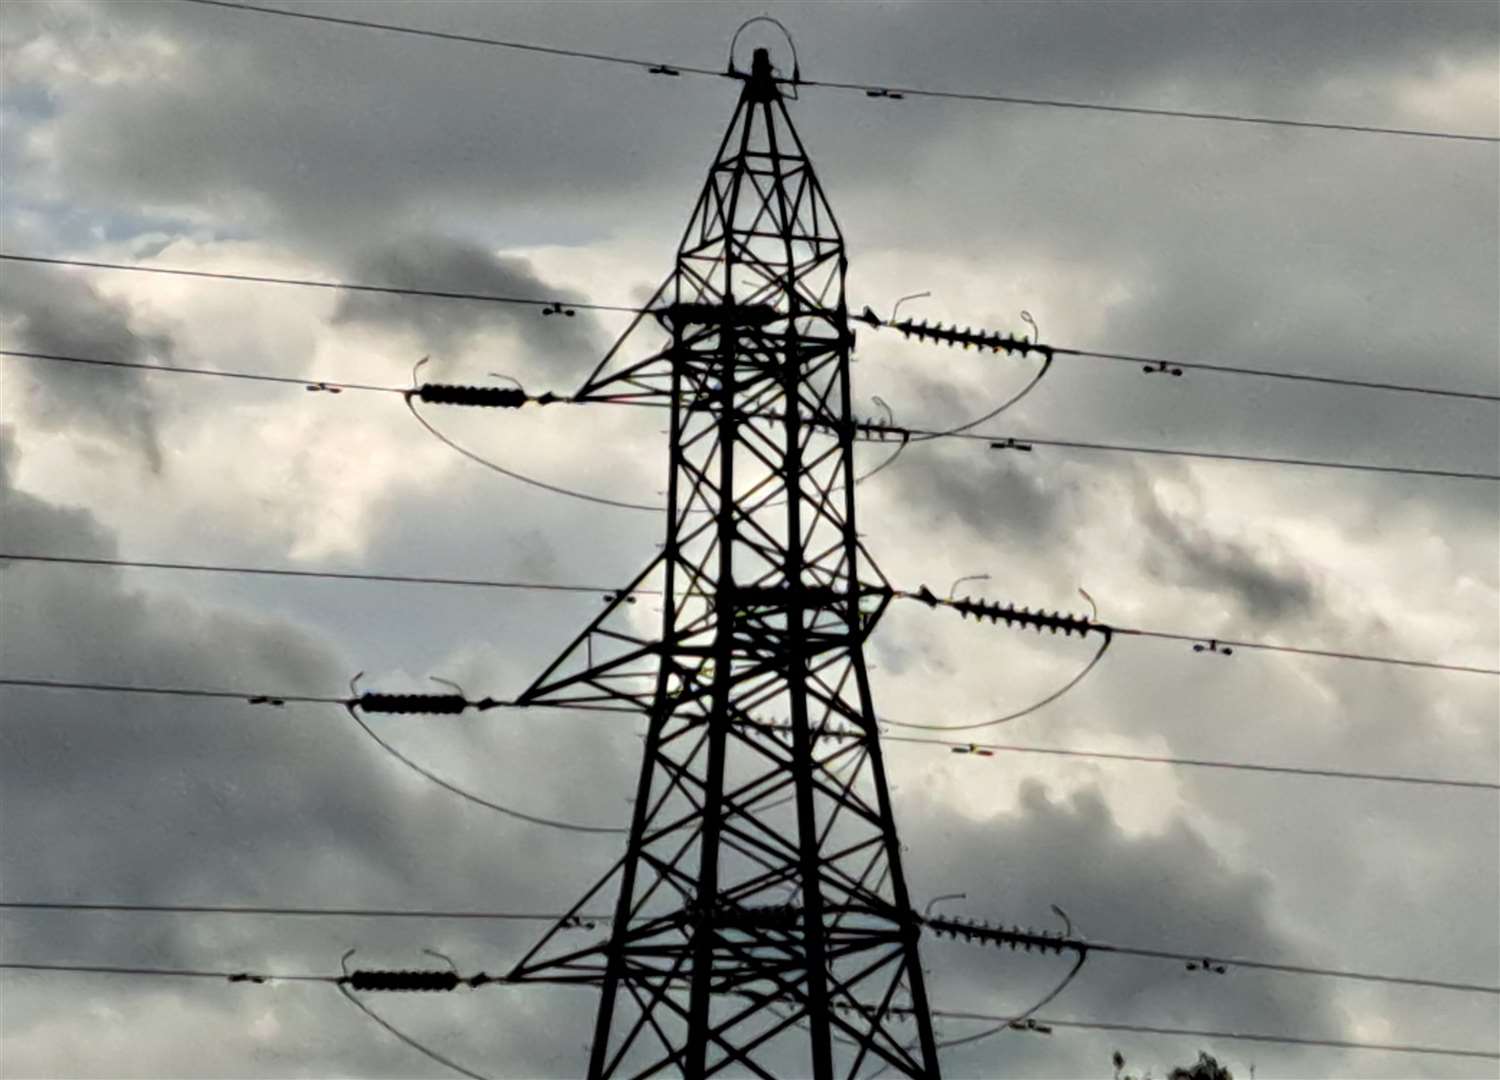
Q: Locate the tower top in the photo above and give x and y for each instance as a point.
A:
(762, 83)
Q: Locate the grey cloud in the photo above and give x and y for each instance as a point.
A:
(1348, 255)
(987, 494)
(1180, 551)
(32, 526)
(54, 312)
(315, 131)
(159, 799)
(445, 328)
(1116, 886)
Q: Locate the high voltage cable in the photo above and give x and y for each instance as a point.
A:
(176, 973)
(168, 691)
(1292, 1040)
(503, 916)
(348, 703)
(979, 932)
(419, 1047)
(345, 286)
(471, 39)
(1293, 969)
(951, 1014)
(249, 376)
(240, 909)
(463, 793)
(869, 89)
(335, 575)
(1183, 114)
(1296, 650)
(1019, 748)
(1200, 763)
(997, 441)
(1299, 650)
(1158, 363)
(1132, 358)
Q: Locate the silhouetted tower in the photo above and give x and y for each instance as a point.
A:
(762, 920)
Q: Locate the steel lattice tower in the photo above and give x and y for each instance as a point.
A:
(762, 921)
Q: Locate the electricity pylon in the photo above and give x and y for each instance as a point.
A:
(762, 920)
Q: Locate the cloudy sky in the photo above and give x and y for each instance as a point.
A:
(204, 138)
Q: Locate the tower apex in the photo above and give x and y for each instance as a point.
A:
(762, 84)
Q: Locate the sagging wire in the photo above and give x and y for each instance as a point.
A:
(890, 425)
(968, 338)
(953, 589)
(1036, 620)
(1023, 1022)
(425, 1051)
(790, 87)
(515, 398)
(498, 397)
(447, 703)
(996, 411)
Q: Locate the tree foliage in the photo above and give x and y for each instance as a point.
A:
(1206, 1067)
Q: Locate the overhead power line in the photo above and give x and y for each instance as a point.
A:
(1198, 763)
(1022, 442)
(314, 912)
(587, 921)
(401, 704)
(310, 384)
(1019, 748)
(991, 341)
(1243, 1036)
(872, 90)
(952, 1014)
(996, 441)
(1292, 969)
(345, 286)
(1205, 639)
(1156, 363)
(983, 933)
(335, 575)
(1301, 650)
(470, 39)
(868, 89)
(173, 973)
(173, 691)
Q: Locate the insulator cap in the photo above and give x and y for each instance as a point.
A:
(412, 703)
(489, 397)
(967, 337)
(1036, 620)
(419, 981)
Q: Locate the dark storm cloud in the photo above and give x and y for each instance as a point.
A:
(317, 131)
(157, 799)
(32, 526)
(987, 495)
(48, 311)
(445, 264)
(369, 154)
(1137, 889)
(282, 128)
(1181, 551)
